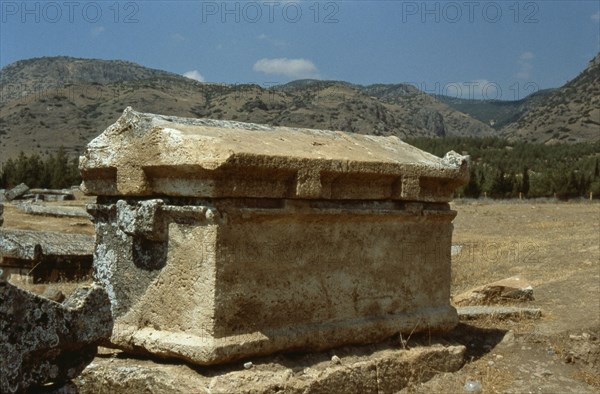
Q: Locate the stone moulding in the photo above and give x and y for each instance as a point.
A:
(234, 240)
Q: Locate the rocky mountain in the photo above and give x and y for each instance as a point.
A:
(60, 101)
(31, 76)
(568, 114)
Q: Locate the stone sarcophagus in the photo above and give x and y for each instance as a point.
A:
(220, 240)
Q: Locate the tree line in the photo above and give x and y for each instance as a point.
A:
(504, 169)
(52, 171)
(499, 168)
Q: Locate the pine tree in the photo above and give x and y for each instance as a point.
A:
(525, 181)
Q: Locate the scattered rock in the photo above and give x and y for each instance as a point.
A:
(515, 288)
(43, 341)
(336, 360)
(473, 386)
(16, 192)
(248, 365)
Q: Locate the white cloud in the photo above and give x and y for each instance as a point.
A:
(96, 31)
(293, 68)
(273, 41)
(194, 74)
(526, 56)
(478, 89)
(525, 65)
(177, 37)
(596, 16)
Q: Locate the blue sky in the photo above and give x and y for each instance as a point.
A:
(468, 49)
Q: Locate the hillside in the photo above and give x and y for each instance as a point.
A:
(496, 113)
(569, 114)
(60, 101)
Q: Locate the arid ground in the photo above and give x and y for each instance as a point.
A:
(555, 245)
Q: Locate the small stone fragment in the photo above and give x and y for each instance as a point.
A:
(472, 386)
(336, 360)
(248, 365)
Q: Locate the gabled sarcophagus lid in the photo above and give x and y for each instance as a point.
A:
(146, 154)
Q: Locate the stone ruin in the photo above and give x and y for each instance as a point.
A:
(45, 256)
(220, 240)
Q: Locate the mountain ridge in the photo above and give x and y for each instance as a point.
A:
(64, 101)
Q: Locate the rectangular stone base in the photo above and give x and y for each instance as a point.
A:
(212, 281)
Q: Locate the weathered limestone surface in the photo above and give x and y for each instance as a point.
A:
(221, 240)
(42, 341)
(52, 210)
(16, 192)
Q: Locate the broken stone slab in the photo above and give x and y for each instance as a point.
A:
(515, 288)
(147, 154)
(42, 341)
(45, 255)
(16, 192)
(50, 195)
(53, 210)
(383, 371)
(218, 241)
(33, 245)
(498, 312)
